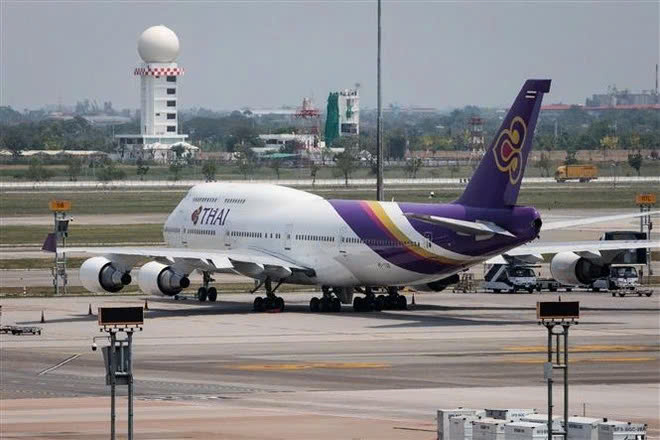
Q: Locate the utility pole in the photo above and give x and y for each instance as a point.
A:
(379, 128)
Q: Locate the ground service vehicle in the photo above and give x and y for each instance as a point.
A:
(583, 173)
(508, 277)
(620, 278)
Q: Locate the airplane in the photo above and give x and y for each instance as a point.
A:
(275, 234)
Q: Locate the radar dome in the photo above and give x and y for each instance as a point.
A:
(158, 44)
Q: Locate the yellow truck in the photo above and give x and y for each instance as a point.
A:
(583, 173)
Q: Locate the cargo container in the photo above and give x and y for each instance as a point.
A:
(525, 431)
(488, 428)
(557, 421)
(583, 428)
(615, 430)
(445, 414)
(582, 173)
(509, 413)
(460, 427)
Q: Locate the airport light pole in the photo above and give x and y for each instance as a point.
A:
(379, 126)
(557, 315)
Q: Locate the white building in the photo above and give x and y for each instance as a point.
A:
(159, 75)
(349, 112)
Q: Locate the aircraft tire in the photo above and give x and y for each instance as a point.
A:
(378, 303)
(325, 305)
(202, 294)
(336, 305)
(212, 294)
(358, 302)
(258, 304)
(402, 302)
(279, 303)
(314, 305)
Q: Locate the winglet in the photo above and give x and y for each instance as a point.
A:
(50, 245)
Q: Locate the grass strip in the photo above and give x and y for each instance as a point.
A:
(78, 234)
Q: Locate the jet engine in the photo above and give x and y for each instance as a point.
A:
(573, 270)
(98, 274)
(158, 279)
(438, 285)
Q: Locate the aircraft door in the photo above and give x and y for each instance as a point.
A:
(288, 232)
(341, 241)
(228, 240)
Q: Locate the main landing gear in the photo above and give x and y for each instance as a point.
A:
(372, 302)
(272, 302)
(329, 302)
(205, 292)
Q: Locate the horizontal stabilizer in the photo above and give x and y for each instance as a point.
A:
(462, 226)
(587, 221)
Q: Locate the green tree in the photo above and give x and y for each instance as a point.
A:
(396, 144)
(571, 158)
(635, 161)
(107, 172)
(141, 168)
(246, 160)
(175, 169)
(209, 169)
(608, 143)
(544, 164)
(412, 166)
(312, 172)
(74, 168)
(37, 172)
(276, 164)
(346, 163)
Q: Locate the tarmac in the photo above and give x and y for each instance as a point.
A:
(217, 370)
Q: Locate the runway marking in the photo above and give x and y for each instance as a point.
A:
(54, 367)
(586, 360)
(307, 366)
(584, 348)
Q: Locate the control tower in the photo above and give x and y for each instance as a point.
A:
(158, 46)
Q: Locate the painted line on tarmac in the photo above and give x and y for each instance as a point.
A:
(64, 362)
(586, 360)
(585, 348)
(308, 366)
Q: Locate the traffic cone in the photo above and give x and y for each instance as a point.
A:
(413, 300)
(42, 317)
(89, 311)
(146, 305)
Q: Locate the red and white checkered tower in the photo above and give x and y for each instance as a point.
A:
(158, 47)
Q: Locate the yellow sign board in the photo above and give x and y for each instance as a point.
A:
(60, 205)
(645, 199)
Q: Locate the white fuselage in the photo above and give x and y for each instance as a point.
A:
(296, 226)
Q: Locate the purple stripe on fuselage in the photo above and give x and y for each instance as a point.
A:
(368, 228)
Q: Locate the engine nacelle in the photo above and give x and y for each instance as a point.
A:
(573, 270)
(439, 285)
(98, 274)
(158, 279)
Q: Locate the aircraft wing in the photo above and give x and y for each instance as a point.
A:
(207, 259)
(589, 220)
(534, 252)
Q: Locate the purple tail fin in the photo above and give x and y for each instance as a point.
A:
(496, 182)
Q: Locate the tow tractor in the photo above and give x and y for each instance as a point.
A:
(510, 278)
(622, 280)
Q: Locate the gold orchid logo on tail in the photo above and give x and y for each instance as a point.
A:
(508, 147)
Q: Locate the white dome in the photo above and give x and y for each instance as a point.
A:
(158, 44)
